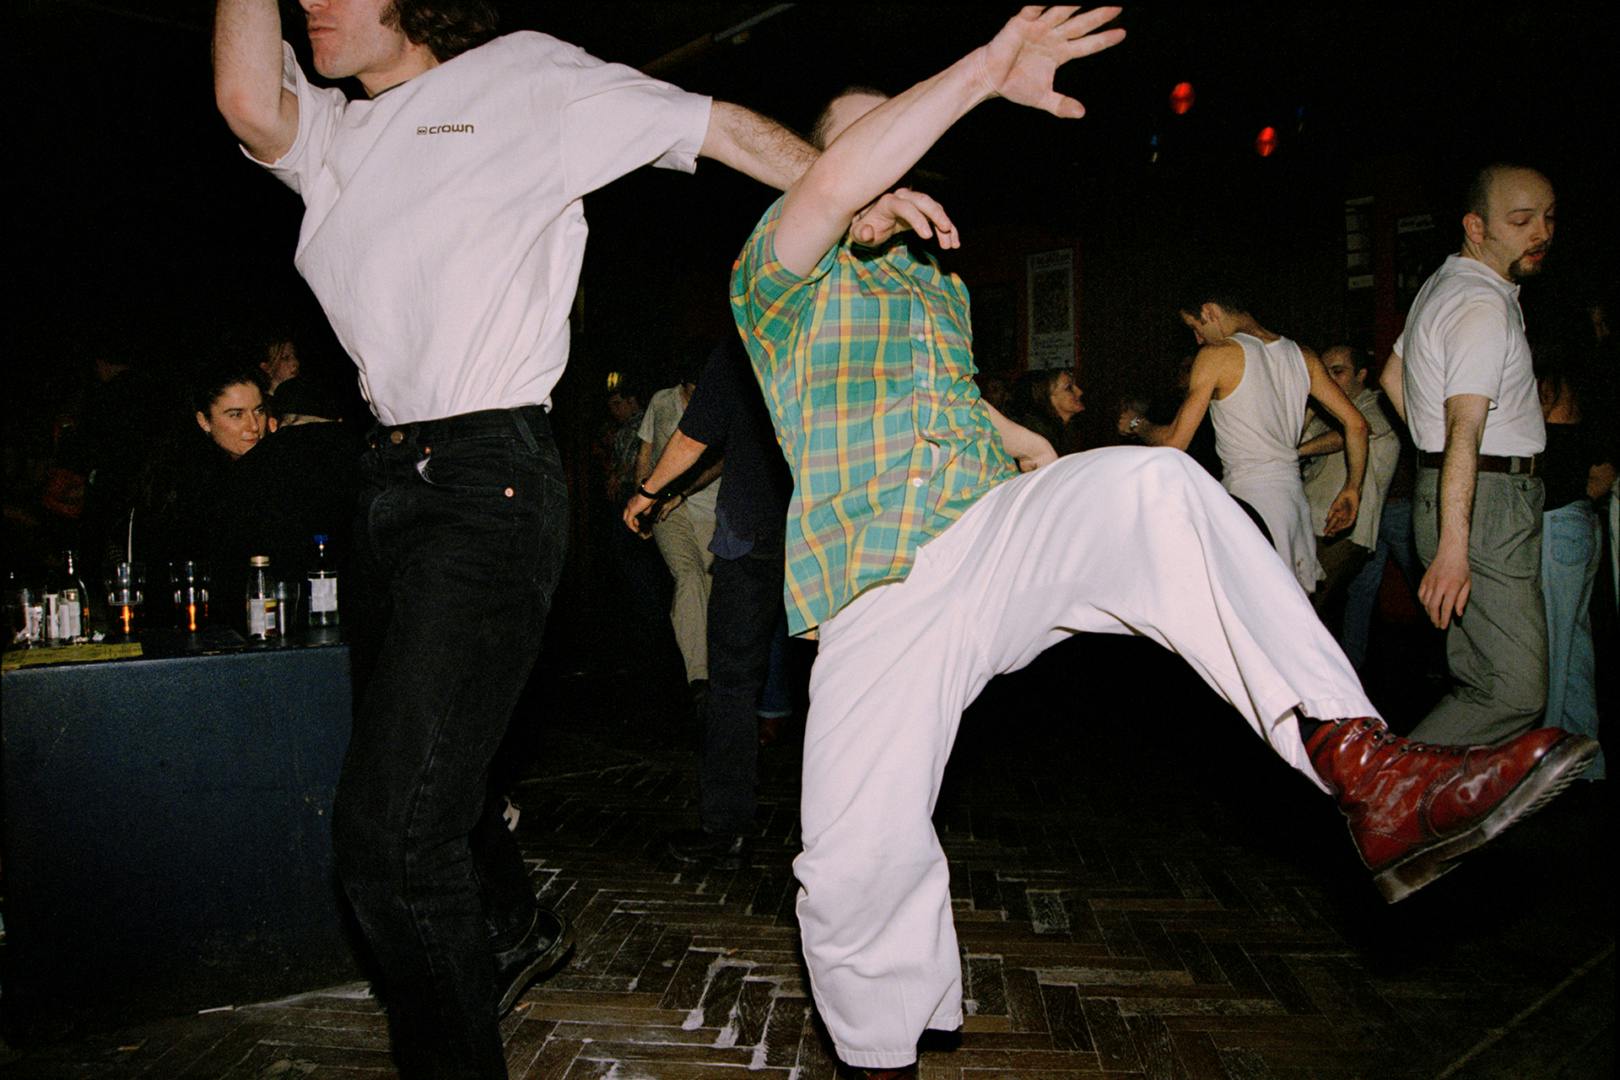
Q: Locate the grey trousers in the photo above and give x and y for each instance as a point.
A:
(1497, 650)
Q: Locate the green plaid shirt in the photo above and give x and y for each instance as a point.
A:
(867, 368)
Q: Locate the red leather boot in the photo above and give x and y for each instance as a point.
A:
(1415, 808)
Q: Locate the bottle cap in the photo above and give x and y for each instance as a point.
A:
(259, 560)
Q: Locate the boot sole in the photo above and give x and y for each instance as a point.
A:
(1561, 767)
(540, 965)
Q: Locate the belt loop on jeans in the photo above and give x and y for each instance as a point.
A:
(524, 431)
(1513, 466)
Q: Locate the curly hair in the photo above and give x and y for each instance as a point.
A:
(447, 27)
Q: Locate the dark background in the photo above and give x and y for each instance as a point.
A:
(138, 228)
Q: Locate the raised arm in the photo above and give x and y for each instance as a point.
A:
(247, 77)
(755, 146)
(1326, 393)
(875, 151)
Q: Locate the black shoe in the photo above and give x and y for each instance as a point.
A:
(724, 851)
(545, 945)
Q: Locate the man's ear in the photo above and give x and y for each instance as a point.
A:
(272, 423)
(1211, 312)
(1474, 228)
(202, 422)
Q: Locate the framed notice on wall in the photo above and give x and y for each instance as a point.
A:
(1051, 309)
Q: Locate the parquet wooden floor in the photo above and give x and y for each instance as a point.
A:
(1138, 895)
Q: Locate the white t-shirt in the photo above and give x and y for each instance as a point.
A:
(443, 230)
(1465, 335)
(1325, 474)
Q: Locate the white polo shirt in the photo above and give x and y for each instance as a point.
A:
(1465, 335)
(443, 230)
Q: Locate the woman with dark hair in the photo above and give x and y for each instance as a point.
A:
(1047, 403)
(184, 500)
(231, 409)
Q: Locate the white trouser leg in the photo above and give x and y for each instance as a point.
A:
(1124, 541)
(683, 540)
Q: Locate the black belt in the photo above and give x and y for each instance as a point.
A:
(1514, 466)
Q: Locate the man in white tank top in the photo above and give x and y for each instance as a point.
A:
(1254, 385)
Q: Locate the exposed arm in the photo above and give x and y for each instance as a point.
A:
(1599, 479)
(755, 145)
(1389, 381)
(261, 113)
(1446, 584)
(1329, 442)
(680, 454)
(1200, 390)
(1031, 450)
(1347, 504)
(875, 151)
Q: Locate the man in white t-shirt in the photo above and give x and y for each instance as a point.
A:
(1460, 376)
(443, 235)
(1343, 553)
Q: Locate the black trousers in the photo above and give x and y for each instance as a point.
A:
(745, 602)
(459, 543)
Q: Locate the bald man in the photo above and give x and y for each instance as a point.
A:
(1460, 377)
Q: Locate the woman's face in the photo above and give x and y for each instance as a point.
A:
(236, 419)
(1065, 398)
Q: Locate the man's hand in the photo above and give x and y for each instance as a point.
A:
(899, 210)
(1130, 420)
(1020, 62)
(1444, 589)
(636, 509)
(1342, 514)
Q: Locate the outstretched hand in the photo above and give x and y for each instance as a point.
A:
(1021, 61)
(899, 210)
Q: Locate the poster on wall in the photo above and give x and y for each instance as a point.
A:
(1051, 309)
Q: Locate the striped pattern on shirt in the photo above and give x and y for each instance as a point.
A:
(867, 368)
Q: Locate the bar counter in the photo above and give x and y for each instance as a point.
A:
(166, 842)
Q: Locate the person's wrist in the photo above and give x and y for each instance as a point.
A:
(651, 496)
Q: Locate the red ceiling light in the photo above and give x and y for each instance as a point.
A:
(1265, 143)
(1182, 98)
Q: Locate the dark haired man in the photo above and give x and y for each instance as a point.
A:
(443, 235)
(927, 564)
(1460, 376)
(1254, 385)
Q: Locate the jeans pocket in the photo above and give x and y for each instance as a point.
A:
(471, 466)
(1571, 539)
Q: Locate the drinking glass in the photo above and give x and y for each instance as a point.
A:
(126, 593)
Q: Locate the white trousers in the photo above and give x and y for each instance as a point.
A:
(683, 540)
(1125, 540)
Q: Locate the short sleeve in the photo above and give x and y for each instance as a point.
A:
(717, 400)
(767, 298)
(318, 111)
(1473, 342)
(615, 120)
(649, 421)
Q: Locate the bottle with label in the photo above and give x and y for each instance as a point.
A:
(70, 617)
(323, 585)
(261, 600)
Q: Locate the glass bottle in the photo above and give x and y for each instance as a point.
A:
(261, 600)
(323, 585)
(67, 606)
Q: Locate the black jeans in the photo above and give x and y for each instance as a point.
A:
(745, 601)
(459, 541)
